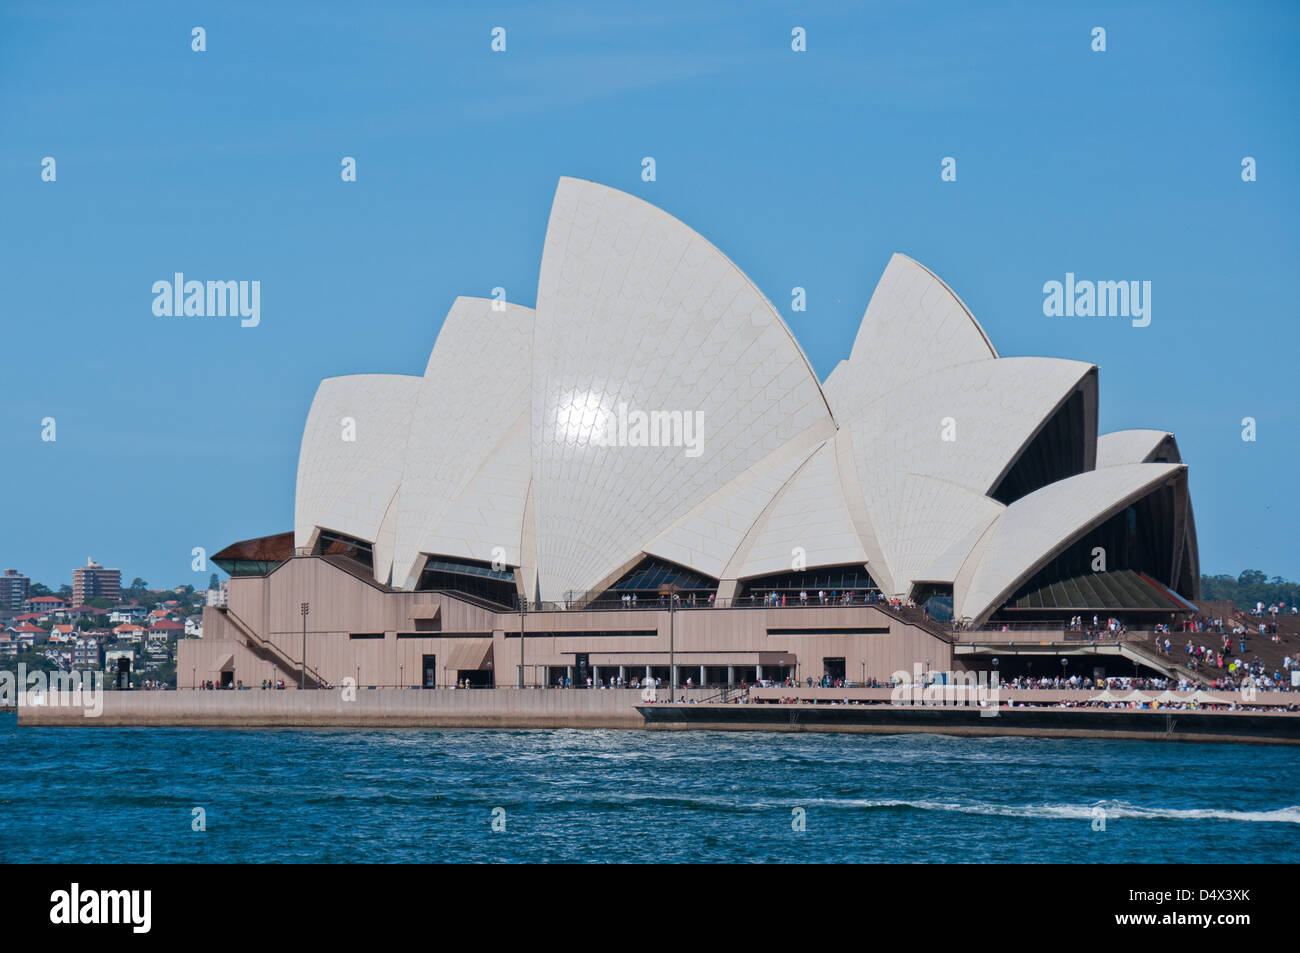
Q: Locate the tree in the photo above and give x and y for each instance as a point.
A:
(32, 662)
(1248, 588)
(37, 589)
(138, 583)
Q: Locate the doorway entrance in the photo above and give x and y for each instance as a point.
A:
(833, 668)
(429, 665)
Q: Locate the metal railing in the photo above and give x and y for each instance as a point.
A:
(255, 641)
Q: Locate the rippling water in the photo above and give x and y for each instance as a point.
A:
(127, 794)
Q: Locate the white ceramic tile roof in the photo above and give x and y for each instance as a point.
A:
(1036, 527)
(995, 407)
(348, 485)
(809, 515)
(486, 520)
(1128, 446)
(707, 538)
(835, 385)
(913, 325)
(634, 307)
(475, 386)
(496, 452)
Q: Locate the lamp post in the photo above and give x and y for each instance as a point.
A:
(305, 609)
(672, 652)
(523, 636)
(864, 672)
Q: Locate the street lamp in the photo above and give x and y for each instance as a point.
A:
(672, 655)
(523, 636)
(864, 671)
(305, 609)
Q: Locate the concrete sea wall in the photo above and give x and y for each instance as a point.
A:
(435, 708)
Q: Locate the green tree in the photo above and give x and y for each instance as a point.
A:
(32, 662)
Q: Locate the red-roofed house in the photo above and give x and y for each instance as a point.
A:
(26, 635)
(129, 631)
(45, 603)
(61, 633)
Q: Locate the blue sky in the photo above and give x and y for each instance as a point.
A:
(806, 169)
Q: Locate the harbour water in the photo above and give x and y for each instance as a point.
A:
(105, 795)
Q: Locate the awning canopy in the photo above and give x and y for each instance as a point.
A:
(425, 610)
(469, 656)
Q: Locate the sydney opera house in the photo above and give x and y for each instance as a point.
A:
(643, 474)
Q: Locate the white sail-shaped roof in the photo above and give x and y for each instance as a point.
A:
(708, 538)
(807, 524)
(635, 310)
(352, 455)
(524, 441)
(914, 325)
(1036, 527)
(929, 451)
(1133, 446)
(475, 387)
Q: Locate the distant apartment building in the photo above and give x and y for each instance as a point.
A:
(220, 596)
(13, 589)
(93, 581)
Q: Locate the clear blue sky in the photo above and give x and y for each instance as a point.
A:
(806, 169)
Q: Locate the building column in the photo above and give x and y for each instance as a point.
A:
(731, 675)
(595, 676)
(758, 670)
(622, 674)
(568, 676)
(648, 676)
(701, 676)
